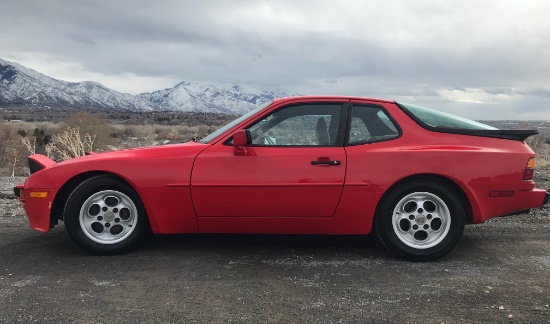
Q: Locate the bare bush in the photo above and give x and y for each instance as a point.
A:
(169, 135)
(70, 144)
(11, 150)
(91, 125)
(204, 130)
(139, 131)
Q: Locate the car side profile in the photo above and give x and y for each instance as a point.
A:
(299, 165)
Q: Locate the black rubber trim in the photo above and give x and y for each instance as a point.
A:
(341, 136)
(34, 166)
(511, 134)
(17, 192)
(546, 199)
(248, 137)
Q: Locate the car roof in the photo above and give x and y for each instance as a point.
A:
(324, 97)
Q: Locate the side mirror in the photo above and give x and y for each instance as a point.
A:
(241, 139)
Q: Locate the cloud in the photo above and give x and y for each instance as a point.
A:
(426, 50)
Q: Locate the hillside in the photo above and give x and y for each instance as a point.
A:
(23, 86)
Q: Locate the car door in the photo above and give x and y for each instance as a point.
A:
(294, 166)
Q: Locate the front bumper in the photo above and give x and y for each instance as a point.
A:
(37, 207)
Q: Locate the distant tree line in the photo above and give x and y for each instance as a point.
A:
(31, 113)
(63, 138)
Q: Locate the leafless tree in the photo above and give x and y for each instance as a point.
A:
(29, 144)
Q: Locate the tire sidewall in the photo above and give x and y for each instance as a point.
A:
(71, 215)
(386, 231)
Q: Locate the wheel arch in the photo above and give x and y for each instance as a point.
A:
(62, 195)
(447, 181)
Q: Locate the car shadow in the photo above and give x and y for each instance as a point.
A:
(266, 244)
(58, 245)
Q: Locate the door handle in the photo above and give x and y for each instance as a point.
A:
(326, 162)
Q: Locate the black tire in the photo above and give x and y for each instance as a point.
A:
(104, 216)
(420, 220)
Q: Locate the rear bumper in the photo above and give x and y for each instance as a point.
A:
(517, 204)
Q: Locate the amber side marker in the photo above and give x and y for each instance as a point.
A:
(38, 194)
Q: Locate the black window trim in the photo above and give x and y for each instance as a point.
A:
(386, 112)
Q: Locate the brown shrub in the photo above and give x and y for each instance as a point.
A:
(12, 151)
(93, 125)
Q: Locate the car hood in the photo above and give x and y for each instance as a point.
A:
(142, 152)
(39, 162)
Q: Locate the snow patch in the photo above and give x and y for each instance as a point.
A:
(103, 283)
(26, 282)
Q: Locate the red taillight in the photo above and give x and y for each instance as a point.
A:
(529, 169)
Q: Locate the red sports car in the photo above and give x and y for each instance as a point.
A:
(300, 165)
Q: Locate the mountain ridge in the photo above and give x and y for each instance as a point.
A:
(22, 85)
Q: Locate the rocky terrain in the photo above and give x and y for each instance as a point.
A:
(11, 210)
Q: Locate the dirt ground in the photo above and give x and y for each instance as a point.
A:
(499, 273)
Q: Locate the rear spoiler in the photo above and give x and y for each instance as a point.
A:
(511, 134)
(38, 162)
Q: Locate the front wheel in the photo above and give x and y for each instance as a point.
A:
(104, 215)
(421, 220)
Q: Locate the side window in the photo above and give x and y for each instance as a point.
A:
(300, 125)
(370, 124)
(359, 131)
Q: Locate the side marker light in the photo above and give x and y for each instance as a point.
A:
(38, 194)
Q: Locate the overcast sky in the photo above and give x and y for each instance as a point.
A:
(475, 58)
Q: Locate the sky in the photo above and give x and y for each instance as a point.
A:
(480, 59)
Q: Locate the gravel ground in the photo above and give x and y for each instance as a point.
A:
(499, 273)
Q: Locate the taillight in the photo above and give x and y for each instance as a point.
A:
(529, 169)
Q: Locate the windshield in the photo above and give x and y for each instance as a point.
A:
(435, 118)
(223, 129)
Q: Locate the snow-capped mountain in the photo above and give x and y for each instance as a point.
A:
(212, 97)
(21, 85)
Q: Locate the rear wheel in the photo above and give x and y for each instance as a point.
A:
(421, 220)
(104, 215)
